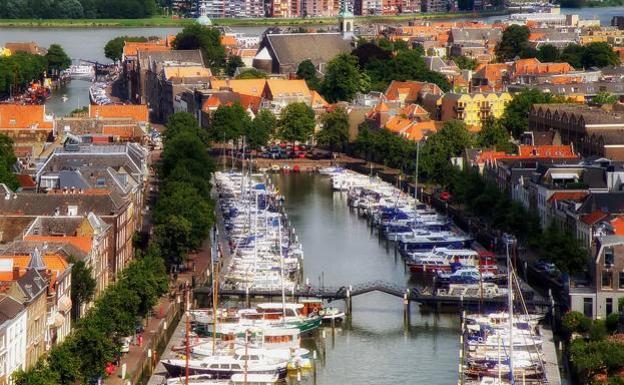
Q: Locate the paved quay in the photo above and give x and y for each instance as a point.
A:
(141, 360)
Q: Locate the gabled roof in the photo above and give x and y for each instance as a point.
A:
(292, 49)
(253, 87)
(9, 308)
(607, 203)
(410, 90)
(185, 72)
(287, 87)
(138, 112)
(30, 116)
(577, 196)
(593, 217)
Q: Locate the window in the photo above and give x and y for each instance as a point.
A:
(607, 280)
(588, 307)
(608, 257)
(621, 279)
(609, 305)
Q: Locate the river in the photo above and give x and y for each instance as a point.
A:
(88, 43)
(374, 347)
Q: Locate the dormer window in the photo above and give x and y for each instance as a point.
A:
(12, 122)
(72, 210)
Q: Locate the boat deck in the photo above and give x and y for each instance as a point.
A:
(551, 363)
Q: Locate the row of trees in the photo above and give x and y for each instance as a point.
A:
(94, 341)
(20, 68)
(184, 214)
(76, 9)
(515, 43)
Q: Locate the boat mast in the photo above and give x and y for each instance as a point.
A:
(215, 300)
(246, 356)
(416, 180)
(187, 328)
(509, 240)
(281, 258)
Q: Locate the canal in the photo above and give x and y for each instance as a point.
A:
(373, 347)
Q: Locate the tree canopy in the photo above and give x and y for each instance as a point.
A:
(229, 123)
(494, 135)
(604, 98)
(335, 130)
(19, 70)
(297, 122)
(207, 39)
(83, 286)
(252, 73)
(261, 129)
(515, 39)
(342, 79)
(76, 9)
(114, 47)
(307, 71)
(516, 115)
(57, 59)
(233, 62)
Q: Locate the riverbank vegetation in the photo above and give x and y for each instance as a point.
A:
(167, 21)
(18, 70)
(590, 3)
(76, 9)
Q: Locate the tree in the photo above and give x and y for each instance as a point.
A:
(515, 117)
(7, 160)
(184, 200)
(252, 73)
(307, 71)
(297, 122)
(405, 65)
(464, 62)
(368, 52)
(548, 53)
(335, 132)
(113, 49)
(573, 55)
(575, 322)
(82, 286)
(494, 135)
(63, 361)
(229, 123)
(562, 249)
(599, 54)
(261, 129)
(184, 122)
(69, 9)
(604, 98)
(57, 59)
(41, 374)
(342, 79)
(208, 40)
(148, 279)
(450, 141)
(515, 39)
(232, 64)
(173, 237)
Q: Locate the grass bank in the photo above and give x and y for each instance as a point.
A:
(168, 22)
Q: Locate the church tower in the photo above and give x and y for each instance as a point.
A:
(346, 20)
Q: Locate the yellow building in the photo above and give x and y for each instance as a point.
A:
(610, 35)
(473, 108)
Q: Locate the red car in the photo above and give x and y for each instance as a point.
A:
(445, 196)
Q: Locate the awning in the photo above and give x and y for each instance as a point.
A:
(64, 304)
(564, 175)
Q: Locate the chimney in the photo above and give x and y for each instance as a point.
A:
(15, 273)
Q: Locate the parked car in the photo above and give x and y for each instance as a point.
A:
(317, 154)
(445, 196)
(547, 267)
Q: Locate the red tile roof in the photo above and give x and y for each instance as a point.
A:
(568, 196)
(20, 117)
(593, 218)
(138, 112)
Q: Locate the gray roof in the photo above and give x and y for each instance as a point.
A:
(318, 47)
(591, 88)
(9, 308)
(32, 284)
(157, 59)
(475, 34)
(612, 202)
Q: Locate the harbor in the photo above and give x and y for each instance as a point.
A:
(361, 274)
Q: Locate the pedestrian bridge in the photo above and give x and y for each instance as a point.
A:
(408, 294)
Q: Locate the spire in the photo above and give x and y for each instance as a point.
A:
(36, 261)
(346, 20)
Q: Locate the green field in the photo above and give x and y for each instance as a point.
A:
(168, 22)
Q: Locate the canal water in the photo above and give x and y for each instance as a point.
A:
(374, 347)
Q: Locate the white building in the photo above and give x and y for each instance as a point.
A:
(12, 337)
